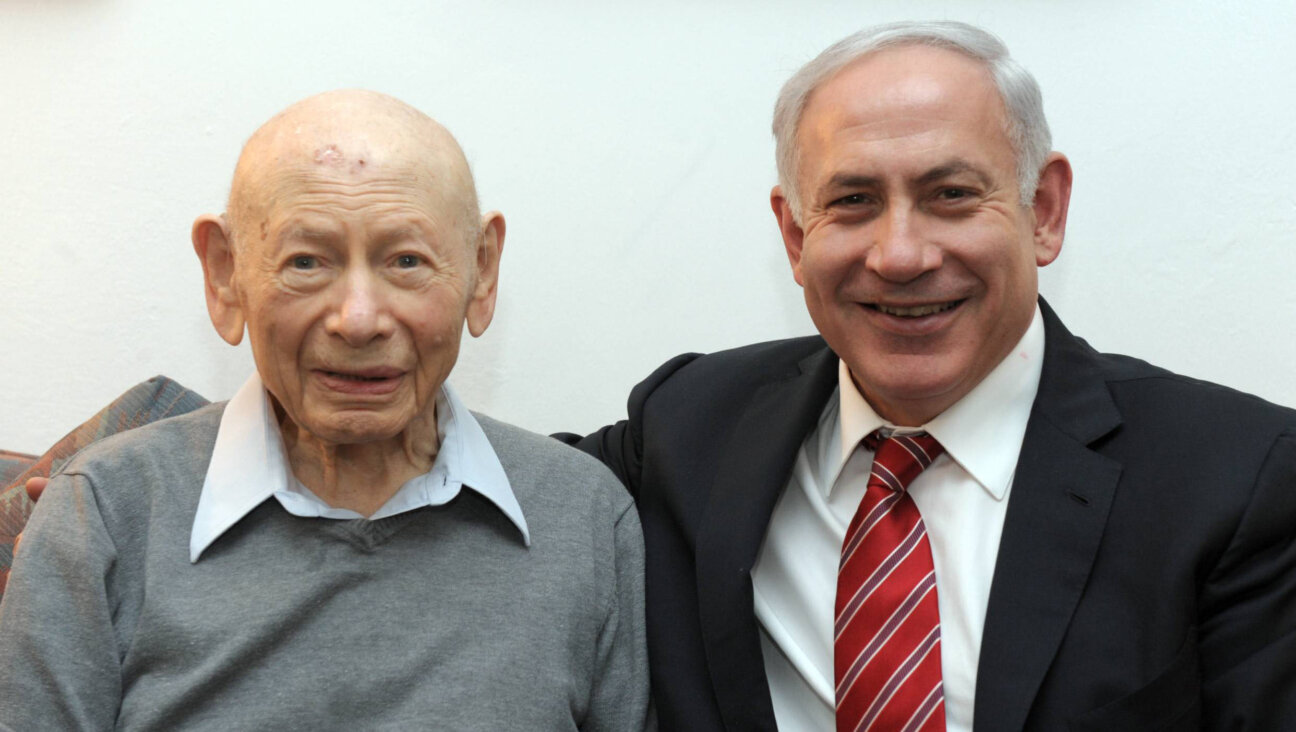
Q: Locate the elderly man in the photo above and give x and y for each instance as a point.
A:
(343, 545)
(946, 511)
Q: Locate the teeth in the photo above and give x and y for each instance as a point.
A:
(917, 311)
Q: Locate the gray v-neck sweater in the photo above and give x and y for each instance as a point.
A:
(439, 618)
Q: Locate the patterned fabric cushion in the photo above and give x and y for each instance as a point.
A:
(149, 401)
(12, 464)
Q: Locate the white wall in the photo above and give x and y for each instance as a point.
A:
(628, 146)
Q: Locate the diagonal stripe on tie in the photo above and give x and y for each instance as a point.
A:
(887, 629)
(933, 704)
(879, 575)
(875, 515)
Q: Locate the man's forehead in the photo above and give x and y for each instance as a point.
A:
(900, 86)
(352, 131)
(342, 150)
(299, 188)
(349, 142)
(910, 110)
(343, 163)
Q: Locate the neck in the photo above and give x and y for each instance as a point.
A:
(360, 477)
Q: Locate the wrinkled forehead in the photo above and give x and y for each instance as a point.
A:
(347, 147)
(342, 167)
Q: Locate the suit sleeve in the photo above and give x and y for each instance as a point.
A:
(620, 446)
(60, 668)
(1248, 627)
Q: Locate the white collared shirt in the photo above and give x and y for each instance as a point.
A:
(963, 498)
(249, 465)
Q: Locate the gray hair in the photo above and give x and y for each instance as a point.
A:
(1028, 131)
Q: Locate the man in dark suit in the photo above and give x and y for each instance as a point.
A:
(1112, 543)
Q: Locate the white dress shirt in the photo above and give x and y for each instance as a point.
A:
(249, 465)
(963, 497)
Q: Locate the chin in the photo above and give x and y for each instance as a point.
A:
(907, 383)
(351, 430)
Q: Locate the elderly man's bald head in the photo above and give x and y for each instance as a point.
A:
(352, 133)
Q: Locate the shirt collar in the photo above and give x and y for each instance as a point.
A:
(983, 431)
(248, 465)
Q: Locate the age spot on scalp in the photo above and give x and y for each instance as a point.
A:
(329, 155)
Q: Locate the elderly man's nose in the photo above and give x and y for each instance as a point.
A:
(360, 314)
(899, 253)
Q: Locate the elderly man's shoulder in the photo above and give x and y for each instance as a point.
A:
(179, 444)
(132, 479)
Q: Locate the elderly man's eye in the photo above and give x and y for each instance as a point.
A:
(853, 199)
(408, 261)
(304, 261)
(952, 194)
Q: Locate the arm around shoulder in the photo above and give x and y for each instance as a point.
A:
(620, 446)
(61, 668)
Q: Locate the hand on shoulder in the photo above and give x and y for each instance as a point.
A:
(35, 487)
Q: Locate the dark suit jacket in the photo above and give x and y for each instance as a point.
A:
(1146, 576)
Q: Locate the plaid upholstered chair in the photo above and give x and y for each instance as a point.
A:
(155, 399)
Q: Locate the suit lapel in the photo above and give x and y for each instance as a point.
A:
(752, 471)
(1062, 492)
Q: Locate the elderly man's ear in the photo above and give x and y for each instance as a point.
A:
(213, 244)
(490, 245)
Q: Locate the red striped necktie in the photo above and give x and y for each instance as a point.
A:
(887, 659)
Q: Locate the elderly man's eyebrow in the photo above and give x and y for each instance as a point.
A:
(399, 233)
(303, 232)
(954, 167)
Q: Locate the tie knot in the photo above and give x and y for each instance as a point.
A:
(898, 459)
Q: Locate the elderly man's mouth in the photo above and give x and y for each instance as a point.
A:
(361, 381)
(361, 377)
(914, 311)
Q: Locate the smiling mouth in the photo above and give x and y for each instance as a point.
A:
(914, 311)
